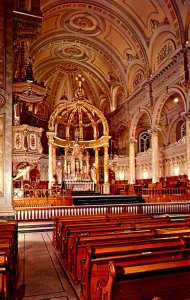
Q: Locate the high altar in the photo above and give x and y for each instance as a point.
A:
(77, 127)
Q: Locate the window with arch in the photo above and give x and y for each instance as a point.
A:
(183, 130)
(144, 141)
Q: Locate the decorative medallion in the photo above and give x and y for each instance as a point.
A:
(83, 23)
(72, 52)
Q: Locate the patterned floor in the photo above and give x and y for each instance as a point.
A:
(40, 275)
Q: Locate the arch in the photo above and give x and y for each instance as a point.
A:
(135, 68)
(164, 45)
(161, 101)
(116, 94)
(121, 138)
(135, 121)
(162, 34)
(172, 130)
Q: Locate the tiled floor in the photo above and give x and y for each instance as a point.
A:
(40, 274)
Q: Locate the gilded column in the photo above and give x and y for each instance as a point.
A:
(97, 164)
(54, 160)
(106, 187)
(50, 136)
(132, 177)
(155, 155)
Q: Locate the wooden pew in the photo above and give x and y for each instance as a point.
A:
(164, 280)
(2, 295)
(95, 264)
(59, 222)
(8, 256)
(61, 234)
(78, 250)
(6, 272)
(68, 234)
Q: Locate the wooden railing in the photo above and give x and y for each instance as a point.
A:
(47, 213)
(163, 191)
(42, 197)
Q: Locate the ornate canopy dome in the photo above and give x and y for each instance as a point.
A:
(78, 121)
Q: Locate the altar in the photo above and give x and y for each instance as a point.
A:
(79, 185)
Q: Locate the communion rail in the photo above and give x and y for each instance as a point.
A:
(47, 213)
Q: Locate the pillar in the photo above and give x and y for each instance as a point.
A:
(97, 165)
(54, 161)
(106, 186)
(132, 177)
(155, 155)
(50, 136)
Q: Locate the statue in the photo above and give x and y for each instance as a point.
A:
(93, 173)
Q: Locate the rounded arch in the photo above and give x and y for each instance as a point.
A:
(116, 95)
(136, 75)
(161, 101)
(173, 134)
(104, 105)
(136, 118)
(162, 46)
(121, 138)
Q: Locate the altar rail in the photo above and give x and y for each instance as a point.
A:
(79, 185)
(47, 213)
(42, 197)
(163, 191)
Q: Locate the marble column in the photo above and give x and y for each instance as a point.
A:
(188, 147)
(132, 177)
(65, 165)
(6, 103)
(54, 160)
(155, 155)
(87, 164)
(106, 186)
(97, 164)
(50, 136)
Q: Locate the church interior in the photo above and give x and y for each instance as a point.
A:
(95, 134)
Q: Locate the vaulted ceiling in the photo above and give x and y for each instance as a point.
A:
(113, 44)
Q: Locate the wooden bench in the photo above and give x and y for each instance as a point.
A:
(68, 234)
(164, 280)
(2, 295)
(78, 250)
(59, 222)
(6, 272)
(132, 220)
(95, 264)
(8, 256)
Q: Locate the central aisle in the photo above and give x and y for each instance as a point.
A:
(40, 275)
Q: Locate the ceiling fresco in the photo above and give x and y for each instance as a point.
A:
(114, 45)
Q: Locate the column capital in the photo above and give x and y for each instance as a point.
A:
(50, 136)
(132, 141)
(154, 131)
